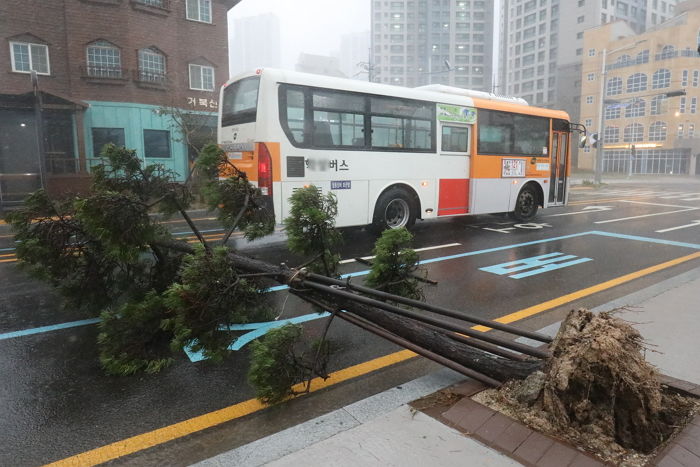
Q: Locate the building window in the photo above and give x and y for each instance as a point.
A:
(693, 104)
(612, 111)
(681, 107)
(661, 79)
(580, 19)
(637, 82)
(591, 77)
(614, 87)
(155, 3)
(643, 56)
(658, 105)
(680, 130)
(104, 136)
(611, 134)
(201, 77)
(156, 143)
(199, 10)
(684, 80)
(657, 131)
(696, 78)
(637, 108)
(579, 51)
(151, 66)
(634, 133)
(589, 122)
(589, 99)
(104, 60)
(691, 130)
(27, 57)
(591, 52)
(668, 52)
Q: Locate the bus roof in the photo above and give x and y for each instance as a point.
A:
(344, 84)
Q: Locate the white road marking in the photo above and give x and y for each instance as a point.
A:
(586, 210)
(693, 224)
(427, 248)
(646, 215)
(657, 204)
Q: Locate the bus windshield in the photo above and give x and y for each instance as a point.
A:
(241, 102)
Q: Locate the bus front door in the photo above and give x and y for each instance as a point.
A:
(559, 168)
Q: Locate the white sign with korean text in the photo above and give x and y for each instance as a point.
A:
(513, 168)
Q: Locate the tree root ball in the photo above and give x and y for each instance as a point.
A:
(599, 381)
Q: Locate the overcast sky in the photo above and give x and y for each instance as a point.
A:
(311, 26)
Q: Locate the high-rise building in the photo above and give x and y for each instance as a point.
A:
(649, 125)
(542, 44)
(106, 70)
(255, 43)
(418, 42)
(354, 55)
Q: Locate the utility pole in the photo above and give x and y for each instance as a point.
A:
(39, 124)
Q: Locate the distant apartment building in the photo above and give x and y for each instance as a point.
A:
(255, 43)
(542, 44)
(419, 42)
(105, 69)
(647, 127)
(354, 55)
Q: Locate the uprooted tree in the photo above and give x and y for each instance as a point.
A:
(107, 253)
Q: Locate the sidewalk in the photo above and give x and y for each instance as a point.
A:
(384, 431)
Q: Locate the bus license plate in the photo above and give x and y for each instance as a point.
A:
(341, 184)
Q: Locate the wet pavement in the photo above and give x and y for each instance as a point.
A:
(56, 402)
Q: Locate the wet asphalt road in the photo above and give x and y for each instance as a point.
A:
(55, 401)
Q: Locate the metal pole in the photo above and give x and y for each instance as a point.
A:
(433, 308)
(633, 153)
(39, 124)
(420, 350)
(421, 317)
(598, 171)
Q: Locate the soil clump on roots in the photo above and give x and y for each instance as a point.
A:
(597, 391)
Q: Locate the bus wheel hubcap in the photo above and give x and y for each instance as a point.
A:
(527, 201)
(396, 213)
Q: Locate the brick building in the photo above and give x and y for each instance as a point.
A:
(104, 68)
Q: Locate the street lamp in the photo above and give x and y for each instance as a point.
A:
(598, 171)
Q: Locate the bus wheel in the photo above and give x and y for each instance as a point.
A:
(526, 205)
(395, 209)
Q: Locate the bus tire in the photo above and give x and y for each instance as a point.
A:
(395, 208)
(526, 204)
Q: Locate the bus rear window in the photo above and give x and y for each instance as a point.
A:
(240, 102)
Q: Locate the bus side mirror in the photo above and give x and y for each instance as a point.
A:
(582, 141)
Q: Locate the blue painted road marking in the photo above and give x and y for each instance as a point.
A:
(53, 327)
(256, 330)
(535, 265)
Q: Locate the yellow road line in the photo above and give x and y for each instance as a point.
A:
(178, 430)
(7, 255)
(208, 420)
(8, 260)
(533, 310)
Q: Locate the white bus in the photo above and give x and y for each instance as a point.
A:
(392, 154)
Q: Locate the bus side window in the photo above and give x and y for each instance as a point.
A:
(455, 139)
(295, 115)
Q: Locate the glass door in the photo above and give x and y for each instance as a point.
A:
(559, 161)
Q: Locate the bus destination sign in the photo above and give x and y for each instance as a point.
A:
(456, 114)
